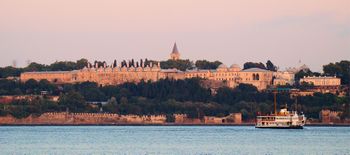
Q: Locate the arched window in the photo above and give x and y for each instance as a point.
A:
(257, 76)
(254, 76)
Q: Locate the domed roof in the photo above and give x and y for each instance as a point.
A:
(234, 66)
(222, 66)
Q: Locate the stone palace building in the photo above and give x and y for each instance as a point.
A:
(324, 84)
(322, 80)
(130, 72)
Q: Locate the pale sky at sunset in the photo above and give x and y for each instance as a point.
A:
(233, 31)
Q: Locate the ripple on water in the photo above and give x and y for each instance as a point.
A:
(192, 140)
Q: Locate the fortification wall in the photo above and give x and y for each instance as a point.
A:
(233, 118)
(63, 118)
(83, 118)
(328, 116)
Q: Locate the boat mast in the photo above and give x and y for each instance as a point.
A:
(296, 103)
(275, 100)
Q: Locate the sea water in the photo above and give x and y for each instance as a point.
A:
(172, 140)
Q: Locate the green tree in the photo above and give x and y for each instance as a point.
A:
(248, 65)
(19, 108)
(340, 69)
(246, 88)
(204, 64)
(63, 66)
(74, 101)
(94, 94)
(9, 71)
(81, 63)
(34, 67)
(112, 105)
(303, 73)
(45, 85)
(178, 64)
(270, 66)
(31, 86)
(9, 87)
(124, 100)
(225, 95)
(265, 108)
(304, 86)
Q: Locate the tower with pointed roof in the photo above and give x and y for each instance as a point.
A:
(175, 55)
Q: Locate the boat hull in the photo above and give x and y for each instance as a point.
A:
(279, 127)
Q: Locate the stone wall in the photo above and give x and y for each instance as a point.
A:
(233, 118)
(184, 119)
(327, 116)
(7, 99)
(64, 118)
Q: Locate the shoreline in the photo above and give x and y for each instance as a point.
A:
(170, 124)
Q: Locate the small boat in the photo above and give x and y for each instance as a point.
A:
(283, 119)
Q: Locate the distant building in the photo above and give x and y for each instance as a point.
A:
(295, 70)
(175, 54)
(233, 76)
(327, 116)
(229, 76)
(323, 84)
(283, 78)
(260, 78)
(106, 75)
(137, 71)
(321, 80)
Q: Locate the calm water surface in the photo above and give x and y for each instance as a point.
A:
(179, 140)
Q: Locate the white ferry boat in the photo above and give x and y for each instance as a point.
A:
(281, 120)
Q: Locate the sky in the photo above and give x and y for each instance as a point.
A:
(287, 32)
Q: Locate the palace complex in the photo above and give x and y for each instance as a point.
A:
(135, 72)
